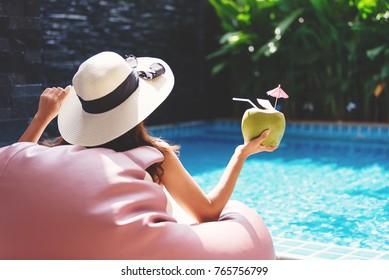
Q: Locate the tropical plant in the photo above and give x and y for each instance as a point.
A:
(332, 57)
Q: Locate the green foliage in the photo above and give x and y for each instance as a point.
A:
(325, 53)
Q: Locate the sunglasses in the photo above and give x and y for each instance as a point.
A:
(156, 69)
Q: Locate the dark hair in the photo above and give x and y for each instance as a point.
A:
(135, 137)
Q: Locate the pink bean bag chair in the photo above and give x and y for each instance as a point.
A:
(69, 202)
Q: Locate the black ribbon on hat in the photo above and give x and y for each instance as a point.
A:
(124, 90)
(114, 98)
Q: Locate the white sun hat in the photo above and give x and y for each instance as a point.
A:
(110, 95)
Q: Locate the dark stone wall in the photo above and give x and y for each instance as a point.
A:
(169, 29)
(20, 66)
(43, 42)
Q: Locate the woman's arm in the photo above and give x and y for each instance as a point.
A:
(188, 193)
(49, 103)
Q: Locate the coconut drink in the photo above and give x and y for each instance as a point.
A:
(256, 120)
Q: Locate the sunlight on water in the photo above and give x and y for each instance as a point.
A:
(322, 191)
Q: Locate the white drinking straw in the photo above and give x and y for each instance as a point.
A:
(277, 96)
(245, 100)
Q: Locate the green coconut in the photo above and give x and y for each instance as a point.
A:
(255, 121)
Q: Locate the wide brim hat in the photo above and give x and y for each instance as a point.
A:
(91, 114)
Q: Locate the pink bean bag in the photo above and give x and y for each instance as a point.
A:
(69, 202)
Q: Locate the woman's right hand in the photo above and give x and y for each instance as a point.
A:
(49, 103)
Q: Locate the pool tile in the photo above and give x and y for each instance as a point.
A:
(375, 131)
(280, 248)
(291, 242)
(302, 252)
(326, 128)
(325, 255)
(350, 257)
(287, 249)
(363, 131)
(384, 257)
(385, 131)
(314, 246)
(365, 254)
(340, 250)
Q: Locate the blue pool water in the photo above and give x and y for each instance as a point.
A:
(318, 186)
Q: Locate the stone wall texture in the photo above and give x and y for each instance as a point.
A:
(20, 65)
(43, 42)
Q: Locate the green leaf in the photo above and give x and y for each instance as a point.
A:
(385, 72)
(373, 53)
(217, 68)
(227, 11)
(237, 38)
(220, 52)
(285, 23)
(245, 18)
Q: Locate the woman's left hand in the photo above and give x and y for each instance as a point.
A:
(255, 145)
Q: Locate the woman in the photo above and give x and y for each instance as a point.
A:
(106, 107)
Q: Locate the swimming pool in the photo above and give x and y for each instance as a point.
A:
(326, 183)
